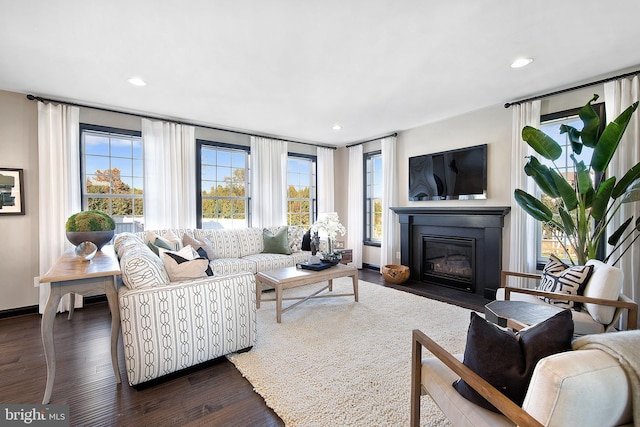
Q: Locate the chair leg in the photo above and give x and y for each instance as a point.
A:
(416, 370)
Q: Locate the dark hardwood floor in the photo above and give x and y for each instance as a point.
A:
(212, 394)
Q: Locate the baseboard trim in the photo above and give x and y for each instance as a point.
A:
(370, 267)
(33, 309)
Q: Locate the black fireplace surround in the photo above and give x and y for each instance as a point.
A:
(451, 230)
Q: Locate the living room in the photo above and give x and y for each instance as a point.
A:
(460, 124)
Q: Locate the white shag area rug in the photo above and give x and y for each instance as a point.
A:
(335, 362)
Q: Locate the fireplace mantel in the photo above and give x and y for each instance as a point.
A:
(482, 223)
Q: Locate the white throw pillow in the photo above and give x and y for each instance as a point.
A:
(606, 283)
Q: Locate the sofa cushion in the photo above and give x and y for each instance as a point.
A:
(180, 268)
(266, 262)
(606, 283)
(165, 239)
(232, 265)
(226, 242)
(276, 242)
(141, 268)
(565, 280)
(250, 240)
(202, 242)
(506, 359)
(295, 235)
(579, 388)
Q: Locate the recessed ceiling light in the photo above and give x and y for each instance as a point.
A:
(521, 62)
(336, 127)
(137, 81)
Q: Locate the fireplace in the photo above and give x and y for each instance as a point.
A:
(449, 261)
(455, 247)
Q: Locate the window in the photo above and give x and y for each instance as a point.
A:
(301, 190)
(550, 124)
(112, 174)
(223, 185)
(373, 198)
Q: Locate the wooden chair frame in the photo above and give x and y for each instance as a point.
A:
(622, 303)
(512, 411)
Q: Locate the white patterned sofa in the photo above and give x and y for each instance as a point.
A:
(169, 326)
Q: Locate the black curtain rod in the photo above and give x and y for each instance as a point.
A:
(622, 76)
(371, 140)
(73, 104)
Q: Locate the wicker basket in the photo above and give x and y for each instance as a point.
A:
(395, 274)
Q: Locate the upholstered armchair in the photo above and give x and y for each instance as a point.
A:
(602, 299)
(586, 387)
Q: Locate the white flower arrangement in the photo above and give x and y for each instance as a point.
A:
(329, 223)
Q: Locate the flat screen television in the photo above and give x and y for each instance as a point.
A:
(449, 175)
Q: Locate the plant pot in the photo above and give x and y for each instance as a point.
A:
(395, 274)
(98, 238)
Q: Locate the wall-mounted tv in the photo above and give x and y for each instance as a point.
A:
(450, 175)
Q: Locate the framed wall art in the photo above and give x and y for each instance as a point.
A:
(11, 192)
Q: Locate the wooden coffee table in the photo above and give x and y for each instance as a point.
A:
(291, 277)
(518, 314)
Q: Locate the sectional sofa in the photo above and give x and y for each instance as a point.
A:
(169, 325)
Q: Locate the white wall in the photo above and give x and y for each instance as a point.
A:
(19, 233)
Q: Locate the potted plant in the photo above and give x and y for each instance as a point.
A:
(330, 225)
(90, 226)
(585, 207)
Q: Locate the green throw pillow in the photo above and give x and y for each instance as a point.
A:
(276, 243)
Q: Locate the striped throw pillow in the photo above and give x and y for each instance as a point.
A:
(560, 278)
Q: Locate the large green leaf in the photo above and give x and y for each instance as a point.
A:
(567, 221)
(591, 124)
(542, 143)
(631, 175)
(533, 206)
(602, 198)
(574, 137)
(610, 138)
(633, 192)
(613, 239)
(542, 177)
(566, 191)
(584, 179)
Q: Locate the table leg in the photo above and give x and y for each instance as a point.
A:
(46, 330)
(112, 298)
(72, 305)
(354, 279)
(330, 285)
(279, 303)
(258, 292)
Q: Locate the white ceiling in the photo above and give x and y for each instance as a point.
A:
(294, 68)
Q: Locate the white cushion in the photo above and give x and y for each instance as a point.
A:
(606, 283)
(436, 379)
(579, 388)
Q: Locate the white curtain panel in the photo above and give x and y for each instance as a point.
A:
(355, 204)
(619, 95)
(390, 224)
(59, 187)
(268, 182)
(326, 188)
(169, 175)
(522, 245)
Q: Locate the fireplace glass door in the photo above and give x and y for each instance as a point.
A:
(449, 261)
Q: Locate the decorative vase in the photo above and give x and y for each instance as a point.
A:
(86, 251)
(331, 256)
(98, 238)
